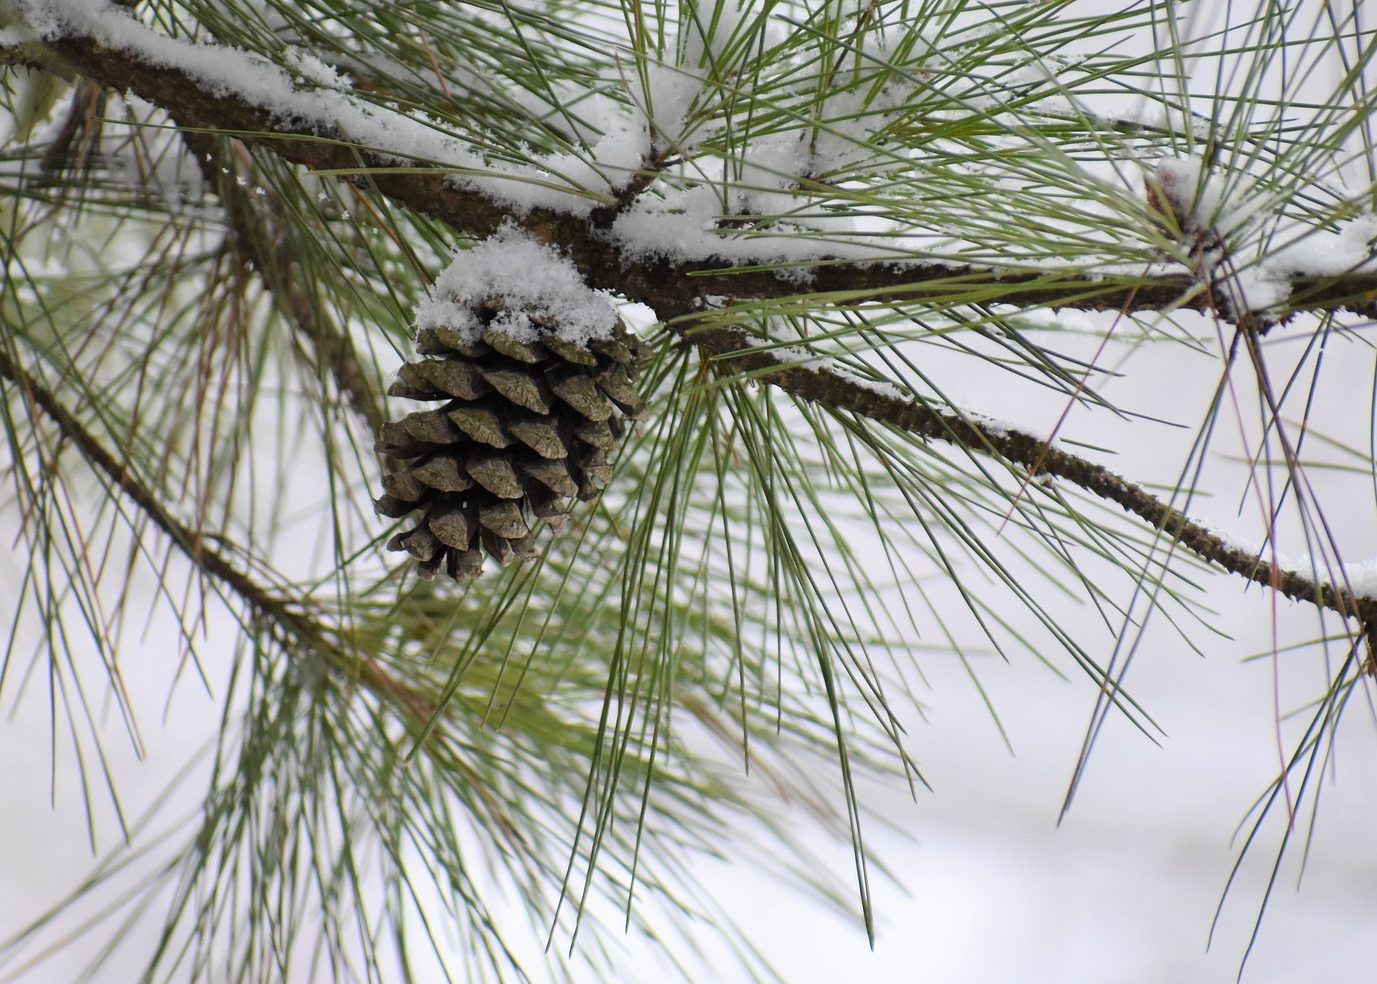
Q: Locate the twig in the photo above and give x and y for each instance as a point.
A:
(735, 348)
(353, 665)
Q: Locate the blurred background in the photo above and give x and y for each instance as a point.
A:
(983, 883)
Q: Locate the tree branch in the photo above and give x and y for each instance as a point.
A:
(680, 287)
(734, 348)
(286, 614)
(195, 104)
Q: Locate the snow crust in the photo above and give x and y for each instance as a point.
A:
(525, 277)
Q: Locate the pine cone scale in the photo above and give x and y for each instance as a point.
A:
(581, 392)
(519, 387)
(443, 473)
(482, 425)
(449, 521)
(541, 436)
(498, 475)
(504, 519)
(431, 427)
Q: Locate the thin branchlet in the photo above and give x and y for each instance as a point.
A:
(736, 352)
(289, 615)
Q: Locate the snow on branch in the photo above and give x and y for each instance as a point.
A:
(320, 104)
(1222, 218)
(665, 251)
(219, 88)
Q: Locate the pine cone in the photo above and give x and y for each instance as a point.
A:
(525, 427)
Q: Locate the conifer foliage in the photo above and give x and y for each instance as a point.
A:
(729, 294)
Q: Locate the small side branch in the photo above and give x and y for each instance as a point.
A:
(736, 349)
(287, 615)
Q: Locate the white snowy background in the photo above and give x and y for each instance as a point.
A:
(992, 889)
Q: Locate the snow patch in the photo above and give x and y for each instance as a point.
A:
(1256, 288)
(674, 83)
(670, 92)
(687, 224)
(994, 426)
(527, 279)
(1319, 253)
(312, 69)
(880, 387)
(1201, 202)
(1360, 577)
(1230, 217)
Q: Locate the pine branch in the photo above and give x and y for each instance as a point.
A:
(352, 664)
(671, 288)
(735, 349)
(689, 296)
(668, 286)
(661, 284)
